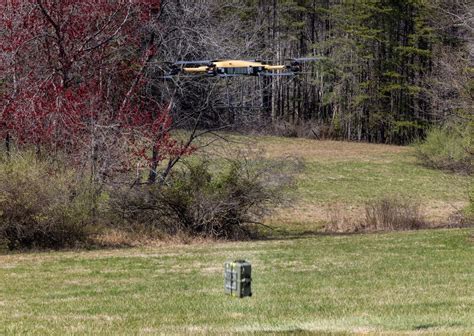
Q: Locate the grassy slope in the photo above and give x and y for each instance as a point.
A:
(345, 175)
(398, 283)
(355, 172)
(393, 283)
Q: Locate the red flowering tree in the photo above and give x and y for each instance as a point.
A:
(73, 80)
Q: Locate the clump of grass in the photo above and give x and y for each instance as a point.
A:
(393, 214)
(339, 220)
(470, 208)
(464, 217)
(385, 214)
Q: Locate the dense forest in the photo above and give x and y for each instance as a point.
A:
(388, 70)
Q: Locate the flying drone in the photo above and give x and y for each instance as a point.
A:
(229, 68)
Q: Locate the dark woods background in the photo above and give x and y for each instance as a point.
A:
(389, 69)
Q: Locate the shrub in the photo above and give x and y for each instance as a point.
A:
(41, 204)
(449, 148)
(393, 214)
(386, 214)
(202, 200)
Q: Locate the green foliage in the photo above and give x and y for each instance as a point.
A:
(449, 148)
(411, 50)
(391, 87)
(392, 74)
(367, 42)
(41, 204)
(359, 100)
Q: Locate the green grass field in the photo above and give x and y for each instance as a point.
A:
(379, 283)
(343, 176)
(417, 282)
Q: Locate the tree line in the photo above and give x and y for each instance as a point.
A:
(388, 69)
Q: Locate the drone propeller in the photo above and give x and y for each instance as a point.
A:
(181, 76)
(166, 77)
(191, 62)
(230, 75)
(160, 62)
(276, 74)
(259, 60)
(303, 59)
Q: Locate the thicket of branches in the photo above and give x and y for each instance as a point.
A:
(75, 82)
(78, 88)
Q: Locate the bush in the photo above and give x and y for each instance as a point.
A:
(449, 148)
(201, 200)
(393, 214)
(386, 214)
(41, 205)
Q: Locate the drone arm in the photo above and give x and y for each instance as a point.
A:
(196, 70)
(274, 67)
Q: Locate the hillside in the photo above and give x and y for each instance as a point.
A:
(304, 281)
(341, 177)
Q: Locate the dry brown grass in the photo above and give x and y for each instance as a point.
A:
(307, 149)
(302, 215)
(340, 217)
(140, 235)
(115, 238)
(393, 214)
(390, 214)
(386, 214)
(329, 150)
(441, 212)
(340, 220)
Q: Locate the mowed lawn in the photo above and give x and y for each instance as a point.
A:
(306, 283)
(395, 283)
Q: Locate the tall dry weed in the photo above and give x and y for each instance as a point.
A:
(386, 214)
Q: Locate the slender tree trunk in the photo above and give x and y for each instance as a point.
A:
(154, 166)
(8, 144)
